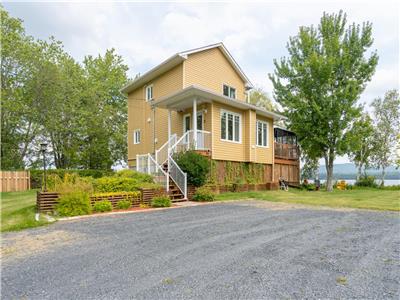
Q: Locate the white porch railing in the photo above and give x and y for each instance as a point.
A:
(147, 164)
(162, 152)
(188, 142)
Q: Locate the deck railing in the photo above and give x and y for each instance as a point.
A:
(286, 151)
(162, 152)
(188, 142)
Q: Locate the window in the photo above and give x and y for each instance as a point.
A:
(262, 133)
(136, 136)
(229, 91)
(149, 92)
(230, 126)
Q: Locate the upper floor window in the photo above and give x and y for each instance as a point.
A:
(136, 136)
(262, 133)
(230, 126)
(149, 92)
(229, 91)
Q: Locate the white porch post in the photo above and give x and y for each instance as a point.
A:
(194, 119)
(169, 148)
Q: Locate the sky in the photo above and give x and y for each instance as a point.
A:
(256, 33)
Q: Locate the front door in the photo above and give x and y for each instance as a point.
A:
(187, 122)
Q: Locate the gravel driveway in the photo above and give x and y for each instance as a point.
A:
(245, 249)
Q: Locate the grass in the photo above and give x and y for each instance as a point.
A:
(18, 211)
(367, 198)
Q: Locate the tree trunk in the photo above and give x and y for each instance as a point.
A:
(383, 176)
(329, 158)
(359, 170)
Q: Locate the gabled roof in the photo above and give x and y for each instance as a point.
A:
(178, 58)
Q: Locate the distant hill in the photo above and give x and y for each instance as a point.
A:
(349, 171)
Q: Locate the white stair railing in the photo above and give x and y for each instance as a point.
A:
(162, 152)
(147, 164)
(178, 176)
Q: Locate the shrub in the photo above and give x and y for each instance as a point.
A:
(124, 204)
(37, 175)
(71, 182)
(161, 201)
(102, 206)
(126, 195)
(204, 194)
(308, 186)
(115, 184)
(140, 177)
(366, 181)
(73, 204)
(195, 165)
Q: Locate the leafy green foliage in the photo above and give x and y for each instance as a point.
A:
(48, 96)
(161, 201)
(204, 194)
(70, 183)
(361, 144)
(37, 175)
(126, 195)
(102, 206)
(124, 204)
(141, 177)
(260, 98)
(73, 204)
(386, 138)
(195, 165)
(123, 184)
(366, 181)
(319, 84)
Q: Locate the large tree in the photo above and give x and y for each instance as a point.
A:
(361, 143)
(319, 84)
(387, 119)
(260, 98)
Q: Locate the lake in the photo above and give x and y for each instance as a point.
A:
(388, 182)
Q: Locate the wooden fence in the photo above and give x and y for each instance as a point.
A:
(14, 181)
(46, 201)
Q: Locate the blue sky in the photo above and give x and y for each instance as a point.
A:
(254, 32)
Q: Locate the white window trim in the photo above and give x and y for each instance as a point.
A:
(135, 142)
(226, 126)
(230, 87)
(152, 92)
(267, 128)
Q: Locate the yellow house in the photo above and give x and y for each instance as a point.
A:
(197, 99)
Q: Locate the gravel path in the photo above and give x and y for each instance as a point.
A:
(247, 250)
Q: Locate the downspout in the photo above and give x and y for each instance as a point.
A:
(154, 128)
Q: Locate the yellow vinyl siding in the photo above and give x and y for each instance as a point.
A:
(262, 154)
(226, 150)
(210, 69)
(139, 111)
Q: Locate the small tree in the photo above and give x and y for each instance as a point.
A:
(361, 143)
(319, 84)
(261, 99)
(387, 119)
(310, 169)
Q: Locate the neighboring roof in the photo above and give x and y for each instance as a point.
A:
(178, 100)
(178, 58)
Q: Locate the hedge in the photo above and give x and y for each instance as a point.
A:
(37, 175)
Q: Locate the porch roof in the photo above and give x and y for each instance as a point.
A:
(183, 99)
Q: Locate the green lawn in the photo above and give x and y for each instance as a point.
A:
(361, 198)
(18, 211)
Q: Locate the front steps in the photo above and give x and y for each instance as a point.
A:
(174, 192)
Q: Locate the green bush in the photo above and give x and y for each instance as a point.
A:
(195, 165)
(37, 175)
(366, 181)
(140, 177)
(124, 204)
(204, 194)
(115, 184)
(161, 201)
(73, 204)
(126, 195)
(308, 186)
(71, 182)
(102, 206)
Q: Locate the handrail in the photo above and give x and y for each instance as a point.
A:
(177, 175)
(165, 146)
